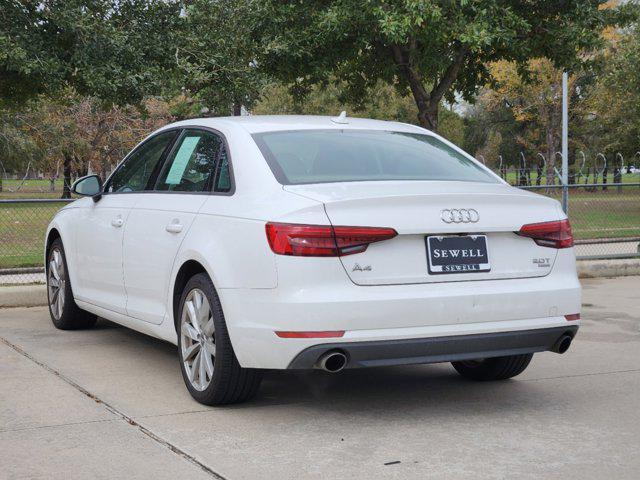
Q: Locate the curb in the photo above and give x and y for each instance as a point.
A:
(23, 296)
(608, 268)
(36, 295)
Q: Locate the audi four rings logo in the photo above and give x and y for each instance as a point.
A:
(459, 215)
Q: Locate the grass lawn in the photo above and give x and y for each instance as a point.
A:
(593, 215)
(30, 189)
(512, 178)
(22, 230)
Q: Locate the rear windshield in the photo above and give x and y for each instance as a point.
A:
(321, 156)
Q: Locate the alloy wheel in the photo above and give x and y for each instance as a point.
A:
(197, 339)
(56, 283)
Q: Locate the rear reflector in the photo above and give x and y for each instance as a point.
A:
(573, 316)
(326, 334)
(549, 234)
(323, 240)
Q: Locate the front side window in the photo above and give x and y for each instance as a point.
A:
(135, 174)
(193, 163)
(320, 156)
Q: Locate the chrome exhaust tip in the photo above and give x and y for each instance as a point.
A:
(332, 361)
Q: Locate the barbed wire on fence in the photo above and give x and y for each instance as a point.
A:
(525, 170)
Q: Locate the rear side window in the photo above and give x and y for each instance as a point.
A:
(140, 166)
(195, 164)
(320, 156)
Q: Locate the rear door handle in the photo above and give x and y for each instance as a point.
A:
(117, 222)
(174, 227)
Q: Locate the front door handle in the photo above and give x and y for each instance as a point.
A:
(174, 227)
(117, 222)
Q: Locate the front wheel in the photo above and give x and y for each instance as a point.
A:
(209, 366)
(65, 314)
(499, 368)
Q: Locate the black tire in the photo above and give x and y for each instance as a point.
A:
(229, 383)
(69, 316)
(499, 368)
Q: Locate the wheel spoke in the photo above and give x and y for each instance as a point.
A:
(60, 304)
(190, 351)
(189, 369)
(208, 362)
(193, 317)
(189, 331)
(203, 369)
(54, 282)
(211, 347)
(57, 257)
(195, 368)
(53, 268)
(204, 312)
(197, 299)
(209, 327)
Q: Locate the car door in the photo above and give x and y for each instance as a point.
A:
(99, 231)
(161, 219)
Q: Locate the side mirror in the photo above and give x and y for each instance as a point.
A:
(89, 186)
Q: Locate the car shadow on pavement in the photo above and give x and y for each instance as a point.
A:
(417, 388)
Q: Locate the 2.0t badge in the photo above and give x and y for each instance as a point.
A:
(459, 215)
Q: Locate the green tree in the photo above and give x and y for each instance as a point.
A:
(432, 48)
(383, 102)
(116, 50)
(215, 56)
(615, 100)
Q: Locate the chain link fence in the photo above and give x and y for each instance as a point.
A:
(23, 224)
(605, 219)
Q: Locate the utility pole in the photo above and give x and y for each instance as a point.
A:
(565, 143)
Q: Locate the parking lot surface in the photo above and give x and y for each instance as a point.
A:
(110, 403)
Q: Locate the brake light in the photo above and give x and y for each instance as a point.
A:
(323, 240)
(549, 234)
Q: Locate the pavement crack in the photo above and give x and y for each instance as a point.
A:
(123, 416)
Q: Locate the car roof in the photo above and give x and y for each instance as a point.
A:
(269, 123)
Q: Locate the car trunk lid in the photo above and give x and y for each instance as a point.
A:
(415, 211)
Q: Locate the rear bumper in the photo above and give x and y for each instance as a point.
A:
(437, 349)
(328, 301)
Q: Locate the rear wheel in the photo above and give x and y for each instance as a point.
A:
(209, 366)
(65, 314)
(499, 368)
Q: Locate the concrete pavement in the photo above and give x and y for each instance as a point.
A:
(110, 403)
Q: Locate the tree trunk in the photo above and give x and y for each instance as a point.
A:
(1, 183)
(426, 102)
(237, 109)
(66, 169)
(428, 115)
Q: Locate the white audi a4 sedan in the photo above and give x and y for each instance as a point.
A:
(298, 242)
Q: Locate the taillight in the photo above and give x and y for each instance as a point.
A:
(323, 240)
(549, 234)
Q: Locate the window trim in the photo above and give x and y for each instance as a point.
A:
(281, 177)
(156, 170)
(181, 129)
